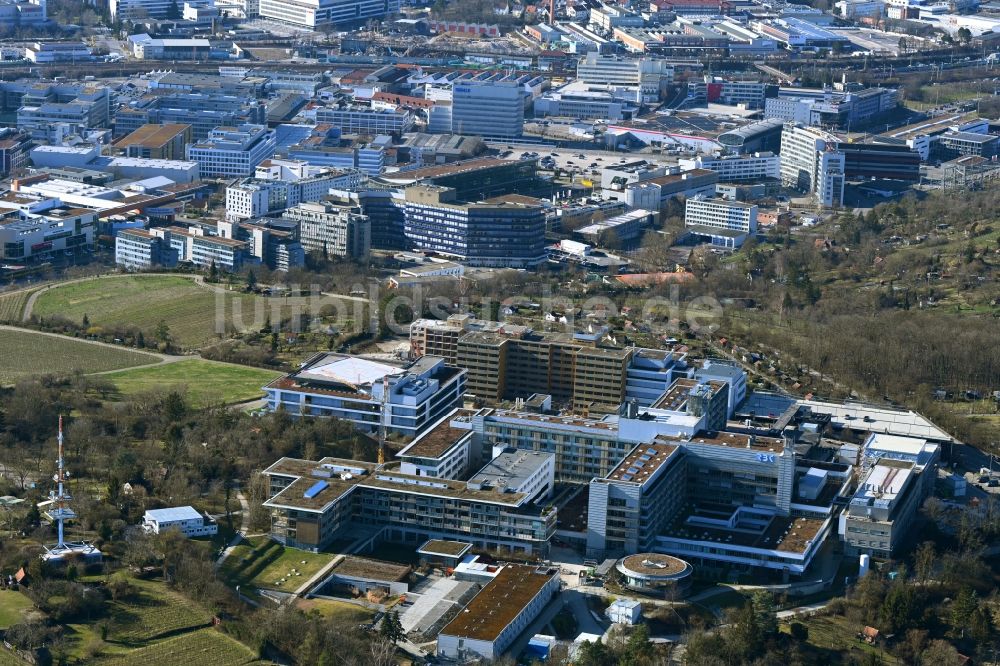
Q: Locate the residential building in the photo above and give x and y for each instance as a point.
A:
(184, 519)
(407, 399)
(492, 109)
(138, 249)
(154, 141)
(494, 233)
(810, 162)
(332, 229)
(721, 222)
(232, 151)
(502, 610)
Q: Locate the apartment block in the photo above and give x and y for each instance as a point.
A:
(722, 222)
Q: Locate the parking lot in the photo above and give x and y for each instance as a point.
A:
(579, 161)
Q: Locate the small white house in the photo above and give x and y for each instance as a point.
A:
(624, 611)
(183, 518)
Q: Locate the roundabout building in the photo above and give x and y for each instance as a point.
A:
(654, 572)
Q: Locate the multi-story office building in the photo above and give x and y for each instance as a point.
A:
(763, 135)
(654, 193)
(141, 250)
(493, 109)
(714, 90)
(364, 120)
(494, 233)
(831, 110)
(47, 117)
(515, 362)
(15, 149)
(649, 77)
(473, 179)
(500, 509)
(280, 184)
(33, 228)
(332, 229)
(810, 162)
(725, 223)
(864, 161)
(158, 142)
(737, 168)
(959, 144)
(146, 47)
(50, 52)
(406, 399)
(878, 518)
(193, 246)
(125, 10)
(326, 12)
(232, 151)
(585, 104)
(202, 111)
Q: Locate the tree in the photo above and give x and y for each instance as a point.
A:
(924, 560)
(962, 610)
(964, 35)
(173, 11)
(85, 322)
(391, 628)
(941, 653)
(251, 280)
(764, 612)
(213, 272)
(162, 332)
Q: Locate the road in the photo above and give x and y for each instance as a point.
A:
(240, 533)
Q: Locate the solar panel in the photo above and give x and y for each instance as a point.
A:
(315, 489)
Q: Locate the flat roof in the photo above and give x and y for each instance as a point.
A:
(884, 482)
(676, 396)
(499, 602)
(444, 548)
(152, 135)
(654, 564)
(441, 438)
(878, 419)
(174, 514)
(739, 441)
(453, 169)
(510, 469)
(643, 461)
(350, 370)
(363, 567)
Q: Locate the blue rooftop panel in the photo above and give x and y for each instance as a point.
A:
(315, 489)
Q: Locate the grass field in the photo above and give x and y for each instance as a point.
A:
(194, 313)
(831, 634)
(341, 611)
(13, 606)
(205, 647)
(26, 353)
(204, 382)
(260, 562)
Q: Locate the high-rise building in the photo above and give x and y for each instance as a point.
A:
(811, 162)
(488, 108)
